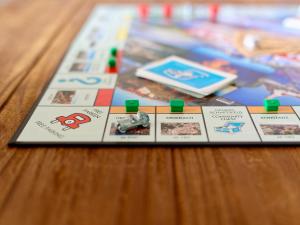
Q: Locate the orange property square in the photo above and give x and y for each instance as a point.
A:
(186, 109)
(261, 110)
(122, 109)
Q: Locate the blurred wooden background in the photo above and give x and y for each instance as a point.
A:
(136, 186)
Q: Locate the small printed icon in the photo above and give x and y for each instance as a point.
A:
(185, 74)
(230, 127)
(72, 121)
(86, 81)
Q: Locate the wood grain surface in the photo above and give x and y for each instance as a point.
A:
(109, 186)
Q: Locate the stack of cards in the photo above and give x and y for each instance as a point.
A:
(186, 76)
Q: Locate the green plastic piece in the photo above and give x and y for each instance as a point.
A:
(177, 105)
(271, 104)
(114, 52)
(112, 62)
(132, 105)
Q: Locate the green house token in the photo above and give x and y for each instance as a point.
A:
(176, 105)
(114, 52)
(271, 104)
(112, 62)
(132, 105)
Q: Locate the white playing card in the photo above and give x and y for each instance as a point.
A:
(186, 75)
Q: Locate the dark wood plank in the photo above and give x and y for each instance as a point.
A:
(27, 29)
(20, 104)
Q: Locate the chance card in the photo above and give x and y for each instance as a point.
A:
(186, 74)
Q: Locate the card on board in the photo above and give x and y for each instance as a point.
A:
(186, 75)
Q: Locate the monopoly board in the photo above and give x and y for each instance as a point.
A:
(83, 101)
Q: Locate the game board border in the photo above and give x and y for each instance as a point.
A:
(152, 144)
(14, 143)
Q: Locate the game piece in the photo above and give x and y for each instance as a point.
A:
(251, 42)
(112, 65)
(144, 11)
(271, 104)
(168, 10)
(176, 105)
(114, 52)
(132, 105)
(112, 62)
(213, 12)
(141, 119)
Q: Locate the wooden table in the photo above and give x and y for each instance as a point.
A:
(136, 186)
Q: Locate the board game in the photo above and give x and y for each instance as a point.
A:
(85, 98)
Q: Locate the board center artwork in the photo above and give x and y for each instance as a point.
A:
(177, 74)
